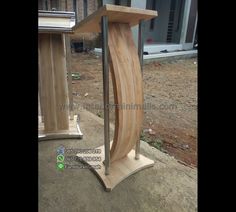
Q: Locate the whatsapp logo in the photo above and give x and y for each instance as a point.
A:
(60, 158)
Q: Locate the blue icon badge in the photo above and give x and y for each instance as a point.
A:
(61, 150)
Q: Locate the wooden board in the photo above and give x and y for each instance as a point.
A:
(67, 41)
(119, 170)
(53, 82)
(73, 131)
(46, 82)
(40, 89)
(119, 14)
(128, 89)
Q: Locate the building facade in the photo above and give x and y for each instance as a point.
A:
(82, 8)
(174, 29)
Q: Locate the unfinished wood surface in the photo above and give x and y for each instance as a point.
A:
(119, 170)
(69, 73)
(72, 132)
(47, 86)
(40, 93)
(53, 84)
(125, 71)
(119, 14)
(128, 89)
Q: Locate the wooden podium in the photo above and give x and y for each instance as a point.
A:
(119, 159)
(54, 121)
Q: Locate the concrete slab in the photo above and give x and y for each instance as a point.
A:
(168, 186)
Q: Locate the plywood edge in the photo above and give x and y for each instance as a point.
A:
(73, 132)
(119, 170)
(92, 22)
(132, 10)
(78, 27)
(58, 135)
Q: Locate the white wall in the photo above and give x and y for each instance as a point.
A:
(137, 4)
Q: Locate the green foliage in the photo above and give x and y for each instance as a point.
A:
(152, 140)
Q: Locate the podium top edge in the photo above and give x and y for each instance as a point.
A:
(115, 13)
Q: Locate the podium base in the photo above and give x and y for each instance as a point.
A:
(119, 170)
(73, 132)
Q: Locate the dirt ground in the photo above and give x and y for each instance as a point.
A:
(170, 94)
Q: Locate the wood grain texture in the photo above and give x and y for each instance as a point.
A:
(72, 132)
(47, 79)
(40, 89)
(118, 14)
(53, 83)
(69, 73)
(128, 89)
(119, 170)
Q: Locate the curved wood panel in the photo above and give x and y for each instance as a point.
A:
(128, 90)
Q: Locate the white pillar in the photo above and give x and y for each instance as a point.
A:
(185, 21)
(137, 4)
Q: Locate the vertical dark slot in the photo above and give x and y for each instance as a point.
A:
(85, 8)
(75, 10)
(152, 22)
(117, 2)
(171, 21)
